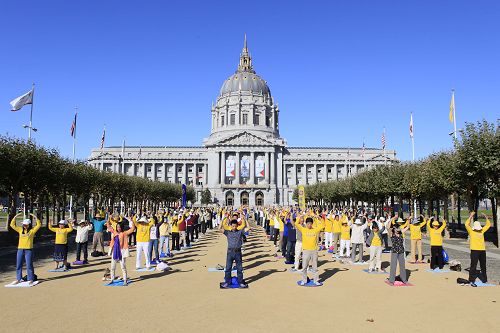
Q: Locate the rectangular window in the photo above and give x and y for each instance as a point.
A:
(149, 168)
(200, 169)
(256, 119)
(190, 170)
(179, 169)
(222, 121)
(245, 119)
(232, 119)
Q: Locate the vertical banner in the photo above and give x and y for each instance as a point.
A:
(230, 172)
(260, 168)
(183, 195)
(302, 197)
(245, 169)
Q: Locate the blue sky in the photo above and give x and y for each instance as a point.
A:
(340, 70)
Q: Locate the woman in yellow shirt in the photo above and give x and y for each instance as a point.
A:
(345, 237)
(61, 243)
(477, 248)
(25, 247)
(436, 236)
(416, 239)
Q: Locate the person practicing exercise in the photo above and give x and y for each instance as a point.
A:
(61, 242)
(143, 232)
(309, 248)
(397, 254)
(234, 234)
(375, 242)
(477, 248)
(82, 240)
(119, 249)
(25, 247)
(416, 239)
(436, 242)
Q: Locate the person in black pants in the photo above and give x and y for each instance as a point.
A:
(291, 240)
(477, 249)
(437, 257)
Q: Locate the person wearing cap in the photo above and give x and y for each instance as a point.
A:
(477, 248)
(385, 236)
(164, 228)
(234, 234)
(98, 240)
(336, 229)
(143, 232)
(119, 248)
(397, 253)
(374, 240)
(61, 242)
(309, 247)
(357, 238)
(345, 237)
(25, 247)
(416, 239)
(82, 240)
(436, 236)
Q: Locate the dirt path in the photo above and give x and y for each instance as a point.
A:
(188, 298)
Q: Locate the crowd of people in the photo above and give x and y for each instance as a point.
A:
(298, 236)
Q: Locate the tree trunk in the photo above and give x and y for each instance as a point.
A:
(459, 209)
(496, 219)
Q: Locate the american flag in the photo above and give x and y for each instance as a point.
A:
(103, 137)
(411, 125)
(383, 139)
(139, 155)
(73, 127)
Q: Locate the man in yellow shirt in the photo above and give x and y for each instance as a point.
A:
(416, 238)
(25, 247)
(336, 229)
(309, 248)
(143, 227)
(477, 248)
(436, 236)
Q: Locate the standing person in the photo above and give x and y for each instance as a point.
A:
(164, 228)
(181, 224)
(190, 229)
(416, 239)
(143, 232)
(436, 236)
(345, 237)
(284, 235)
(291, 239)
(328, 232)
(375, 242)
(120, 251)
(132, 236)
(397, 254)
(477, 248)
(298, 245)
(154, 235)
(357, 238)
(82, 240)
(61, 242)
(234, 234)
(385, 236)
(98, 240)
(309, 248)
(175, 233)
(25, 247)
(336, 230)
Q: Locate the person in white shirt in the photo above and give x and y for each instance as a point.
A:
(358, 238)
(82, 240)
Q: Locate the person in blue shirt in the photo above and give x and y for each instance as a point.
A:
(234, 234)
(98, 240)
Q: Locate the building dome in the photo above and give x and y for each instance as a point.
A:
(245, 82)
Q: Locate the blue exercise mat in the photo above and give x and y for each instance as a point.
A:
(482, 284)
(213, 269)
(437, 270)
(360, 263)
(143, 269)
(374, 272)
(309, 284)
(117, 283)
(59, 270)
(234, 284)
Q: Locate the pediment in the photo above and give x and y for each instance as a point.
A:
(244, 139)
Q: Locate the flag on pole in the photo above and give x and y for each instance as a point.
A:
(139, 155)
(103, 137)
(21, 101)
(411, 125)
(123, 148)
(383, 139)
(73, 127)
(451, 116)
(363, 147)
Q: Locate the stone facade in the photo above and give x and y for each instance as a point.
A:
(244, 160)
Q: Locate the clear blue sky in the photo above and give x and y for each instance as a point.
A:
(340, 70)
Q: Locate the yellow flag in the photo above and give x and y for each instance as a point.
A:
(302, 198)
(452, 108)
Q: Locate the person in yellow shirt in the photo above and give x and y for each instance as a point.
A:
(61, 242)
(416, 239)
(309, 248)
(436, 236)
(336, 229)
(329, 232)
(374, 240)
(345, 238)
(25, 247)
(477, 248)
(143, 229)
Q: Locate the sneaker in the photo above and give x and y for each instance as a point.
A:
(85, 262)
(302, 283)
(370, 270)
(473, 284)
(317, 283)
(243, 286)
(125, 282)
(30, 283)
(224, 285)
(16, 282)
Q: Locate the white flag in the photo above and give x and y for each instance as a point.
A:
(21, 101)
(411, 125)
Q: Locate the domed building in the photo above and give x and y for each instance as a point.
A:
(244, 161)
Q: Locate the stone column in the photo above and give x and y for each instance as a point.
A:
(237, 156)
(185, 174)
(164, 172)
(155, 171)
(335, 172)
(325, 173)
(223, 168)
(252, 168)
(205, 182)
(273, 168)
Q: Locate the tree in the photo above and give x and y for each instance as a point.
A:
(206, 197)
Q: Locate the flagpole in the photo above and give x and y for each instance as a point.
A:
(413, 159)
(385, 157)
(73, 161)
(454, 116)
(31, 111)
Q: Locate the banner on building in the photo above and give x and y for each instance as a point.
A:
(260, 167)
(302, 197)
(245, 169)
(230, 168)
(184, 195)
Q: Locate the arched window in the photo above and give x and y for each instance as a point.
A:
(244, 198)
(229, 198)
(259, 198)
